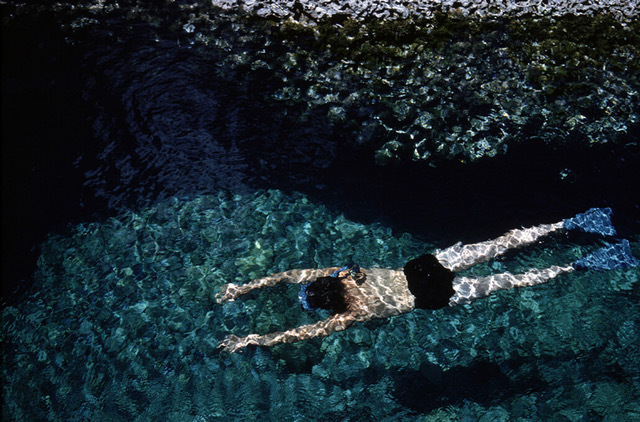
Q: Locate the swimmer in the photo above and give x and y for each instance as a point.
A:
(427, 282)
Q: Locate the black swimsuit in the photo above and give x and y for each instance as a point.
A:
(429, 281)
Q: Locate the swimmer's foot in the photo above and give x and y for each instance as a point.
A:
(610, 257)
(595, 220)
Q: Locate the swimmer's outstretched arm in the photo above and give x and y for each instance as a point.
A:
(230, 292)
(336, 322)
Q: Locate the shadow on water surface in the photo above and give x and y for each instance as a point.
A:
(45, 133)
(491, 383)
(472, 201)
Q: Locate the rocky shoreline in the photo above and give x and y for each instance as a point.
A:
(317, 10)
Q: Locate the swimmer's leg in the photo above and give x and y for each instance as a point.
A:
(460, 257)
(610, 257)
(467, 289)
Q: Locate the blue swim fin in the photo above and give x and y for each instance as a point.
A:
(595, 220)
(610, 257)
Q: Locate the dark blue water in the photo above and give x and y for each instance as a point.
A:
(160, 166)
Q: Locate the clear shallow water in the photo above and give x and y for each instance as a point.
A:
(194, 158)
(124, 327)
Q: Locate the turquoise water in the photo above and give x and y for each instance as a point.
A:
(124, 326)
(157, 153)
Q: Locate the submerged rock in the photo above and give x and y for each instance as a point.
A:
(427, 88)
(100, 342)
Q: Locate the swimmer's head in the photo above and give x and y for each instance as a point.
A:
(327, 293)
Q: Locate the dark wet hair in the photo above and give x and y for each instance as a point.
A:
(327, 293)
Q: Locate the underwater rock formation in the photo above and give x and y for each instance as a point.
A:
(466, 80)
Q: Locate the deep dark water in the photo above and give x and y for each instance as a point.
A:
(45, 129)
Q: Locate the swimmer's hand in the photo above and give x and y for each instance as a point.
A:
(232, 343)
(228, 293)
